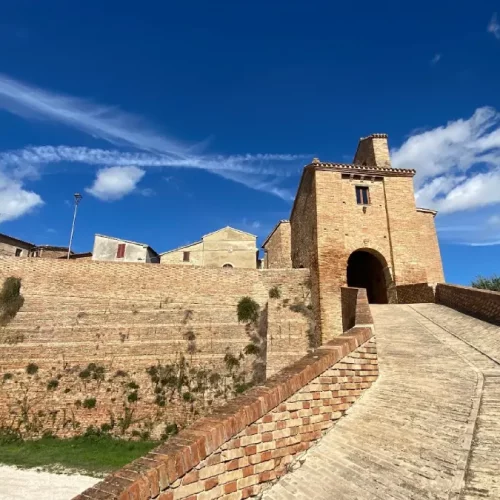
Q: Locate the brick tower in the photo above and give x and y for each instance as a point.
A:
(357, 224)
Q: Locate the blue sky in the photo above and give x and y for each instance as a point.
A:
(176, 118)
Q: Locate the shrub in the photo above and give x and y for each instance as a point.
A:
(7, 376)
(170, 430)
(188, 397)
(492, 283)
(52, 384)
(89, 403)
(96, 372)
(231, 361)
(106, 427)
(190, 335)
(120, 373)
(133, 397)
(252, 350)
(31, 369)
(275, 292)
(11, 299)
(248, 310)
(132, 385)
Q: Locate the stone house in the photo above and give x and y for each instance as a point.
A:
(14, 247)
(357, 224)
(108, 248)
(50, 252)
(226, 247)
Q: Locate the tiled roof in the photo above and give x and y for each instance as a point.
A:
(353, 166)
(374, 136)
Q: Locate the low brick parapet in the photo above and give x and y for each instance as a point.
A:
(476, 302)
(251, 440)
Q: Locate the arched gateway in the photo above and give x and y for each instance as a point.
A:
(368, 269)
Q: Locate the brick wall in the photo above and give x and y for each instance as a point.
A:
(246, 445)
(428, 248)
(481, 304)
(128, 317)
(355, 308)
(416, 293)
(278, 247)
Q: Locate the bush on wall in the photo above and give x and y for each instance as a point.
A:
(11, 299)
(248, 310)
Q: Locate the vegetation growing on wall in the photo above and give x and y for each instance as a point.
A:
(248, 310)
(11, 299)
(275, 292)
(492, 283)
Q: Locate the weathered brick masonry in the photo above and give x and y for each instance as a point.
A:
(394, 241)
(126, 318)
(355, 308)
(247, 444)
(415, 294)
(482, 304)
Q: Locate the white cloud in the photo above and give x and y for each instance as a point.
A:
(494, 221)
(14, 200)
(118, 127)
(457, 165)
(436, 59)
(458, 174)
(494, 26)
(114, 183)
(107, 123)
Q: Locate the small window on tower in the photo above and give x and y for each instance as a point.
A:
(18, 252)
(185, 256)
(120, 252)
(362, 195)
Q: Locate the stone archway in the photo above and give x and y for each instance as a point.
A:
(367, 269)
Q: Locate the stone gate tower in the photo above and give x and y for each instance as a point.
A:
(357, 225)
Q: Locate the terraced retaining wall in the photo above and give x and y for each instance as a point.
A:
(122, 319)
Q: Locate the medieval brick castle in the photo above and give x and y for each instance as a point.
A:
(357, 225)
(354, 225)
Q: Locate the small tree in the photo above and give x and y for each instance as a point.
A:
(492, 283)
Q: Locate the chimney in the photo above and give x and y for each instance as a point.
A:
(373, 151)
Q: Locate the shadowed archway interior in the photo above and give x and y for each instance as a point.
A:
(365, 270)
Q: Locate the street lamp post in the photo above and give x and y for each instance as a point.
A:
(77, 197)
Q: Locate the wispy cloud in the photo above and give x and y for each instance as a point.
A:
(435, 59)
(494, 26)
(105, 122)
(257, 171)
(114, 183)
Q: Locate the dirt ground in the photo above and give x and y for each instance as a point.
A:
(17, 484)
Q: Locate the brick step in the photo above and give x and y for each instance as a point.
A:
(136, 317)
(122, 333)
(40, 303)
(87, 351)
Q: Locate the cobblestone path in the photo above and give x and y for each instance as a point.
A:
(428, 426)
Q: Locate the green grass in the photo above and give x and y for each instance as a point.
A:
(93, 456)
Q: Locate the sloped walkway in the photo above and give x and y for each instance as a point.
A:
(414, 434)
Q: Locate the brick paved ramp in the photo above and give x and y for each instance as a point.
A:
(429, 428)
